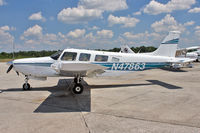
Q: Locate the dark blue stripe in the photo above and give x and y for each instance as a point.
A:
(35, 64)
(148, 65)
(174, 41)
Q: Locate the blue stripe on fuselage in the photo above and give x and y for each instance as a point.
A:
(132, 66)
(35, 64)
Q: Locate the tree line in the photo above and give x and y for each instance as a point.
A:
(28, 54)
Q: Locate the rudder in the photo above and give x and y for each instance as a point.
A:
(169, 45)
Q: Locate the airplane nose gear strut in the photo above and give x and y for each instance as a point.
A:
(78, 87)
(26, 85)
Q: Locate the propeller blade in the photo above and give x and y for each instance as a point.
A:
(10, 68)
(17, 73)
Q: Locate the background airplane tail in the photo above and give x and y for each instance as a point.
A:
(168, 46)
(126, 49)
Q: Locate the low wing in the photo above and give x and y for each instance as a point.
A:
(82, 69)
(192, 48)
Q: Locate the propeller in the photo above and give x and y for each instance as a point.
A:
(10, 68)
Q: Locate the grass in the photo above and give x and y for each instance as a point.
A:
(5, 60)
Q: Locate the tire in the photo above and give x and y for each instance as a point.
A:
(26, 86)
(77, 89)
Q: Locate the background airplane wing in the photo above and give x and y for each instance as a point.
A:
(181, 60)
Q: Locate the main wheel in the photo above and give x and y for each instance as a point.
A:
(26, 86)
(77, 89)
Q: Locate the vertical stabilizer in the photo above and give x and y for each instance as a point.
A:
(126, 49)
(168, 46)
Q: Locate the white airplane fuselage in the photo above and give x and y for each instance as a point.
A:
(49, 67)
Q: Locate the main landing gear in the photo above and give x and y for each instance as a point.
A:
(26, 85)
(78, 87)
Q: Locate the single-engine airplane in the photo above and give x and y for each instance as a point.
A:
(79, 63)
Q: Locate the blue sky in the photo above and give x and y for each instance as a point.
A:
(96, 24)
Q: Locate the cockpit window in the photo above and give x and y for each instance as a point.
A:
(56, 55)
(69, 56)
(84, 57)
(101, 58)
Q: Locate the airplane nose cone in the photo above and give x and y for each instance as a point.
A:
(10, 63)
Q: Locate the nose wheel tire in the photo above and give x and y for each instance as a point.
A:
(26, 86)
(77, 89)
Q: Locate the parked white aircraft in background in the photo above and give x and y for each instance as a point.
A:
(195, 54)
(79, 63)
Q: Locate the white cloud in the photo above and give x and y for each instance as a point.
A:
(166, 24)
(2, 2)
(76, 33)
(78, 15)
(140, 36)
(7, 28)
(197, 31)
(189, 23)
(37, 16)
(104, 5)
(125, 21)
(139, 39)
(94, 28)
(194, 10)
(197, 28)
(137, 13)
(5, 37)
(155, 7)
(36, 30)
(88, 10)
(34, 35)
(105, 33)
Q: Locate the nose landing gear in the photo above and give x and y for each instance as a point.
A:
(26, 85)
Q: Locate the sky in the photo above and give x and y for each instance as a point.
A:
(95, 24)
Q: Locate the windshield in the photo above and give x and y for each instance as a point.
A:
(56, 55)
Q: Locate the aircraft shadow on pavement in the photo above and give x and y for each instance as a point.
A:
(152, 82)
(65, 101)
(163, 84)
(62, 100)
(172, 69)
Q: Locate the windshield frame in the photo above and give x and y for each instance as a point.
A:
(56, 55)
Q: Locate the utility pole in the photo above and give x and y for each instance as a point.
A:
(13, 49)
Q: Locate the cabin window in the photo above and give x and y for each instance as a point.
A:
(69, 56)
(114, 59)
(84, 57)
(101, 58)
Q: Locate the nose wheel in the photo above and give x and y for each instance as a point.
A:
(78, 87)
(26, 85)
